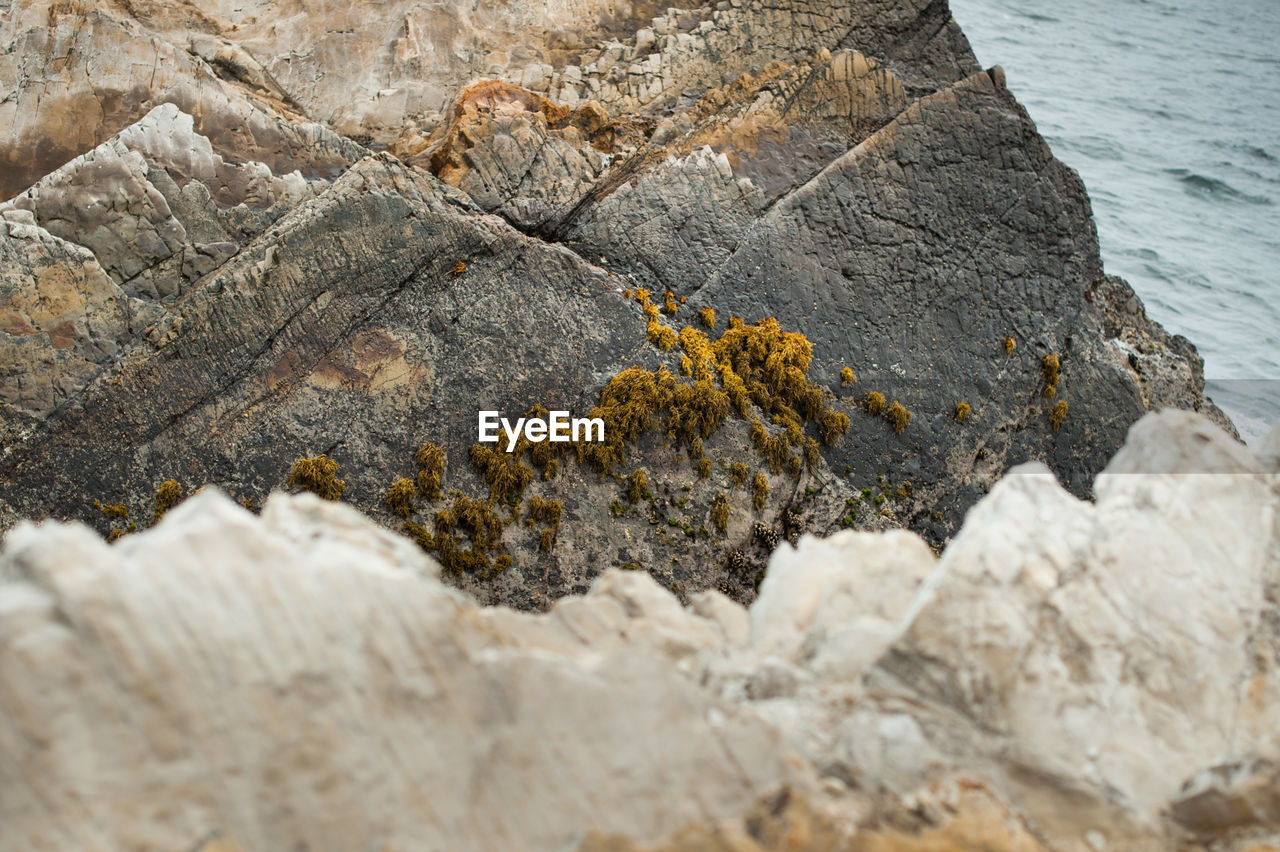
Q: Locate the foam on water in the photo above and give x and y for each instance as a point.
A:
(1170, 111)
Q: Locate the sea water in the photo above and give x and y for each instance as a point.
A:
(1170, 111)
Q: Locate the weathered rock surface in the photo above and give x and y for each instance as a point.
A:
(244, 233)
(382, 74)
(1066, 675)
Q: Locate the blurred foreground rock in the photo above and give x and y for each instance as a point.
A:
(1068, 675)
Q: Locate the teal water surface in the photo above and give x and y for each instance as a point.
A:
(1170, 111)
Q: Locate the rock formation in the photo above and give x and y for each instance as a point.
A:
(238, 235)
(1067, 675)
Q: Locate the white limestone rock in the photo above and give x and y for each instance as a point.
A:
(1091, 675)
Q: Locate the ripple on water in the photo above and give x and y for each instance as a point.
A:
(1212, 188)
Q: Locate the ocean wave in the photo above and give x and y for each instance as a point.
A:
(1210, 187)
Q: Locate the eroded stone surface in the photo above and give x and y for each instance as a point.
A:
(234, 280)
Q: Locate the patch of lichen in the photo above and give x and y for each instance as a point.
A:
(1009, 345)
(708, 317)
(700, 352)
(399, 499)
(319, 475)
(759, 372)
(962, 412)
(812, 457)
(482, 525)
(468, 531)
(456, 561)
(875, 403)
(168, 494)
(772, 363)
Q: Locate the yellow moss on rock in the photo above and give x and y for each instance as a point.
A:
(662, 336)
(318, 475)
(1058, 415)
(720, 512)
(696, 411)
(399, 498)
(1049, 367)
(756, 365)
(773, 448)
(420, 534)
(637, 486)
(113, 510)
(759, 491)
(627, 406)
(483, 526)
(168, 494)
(831, 425)
(898, 417)
(503, 472)
(430, 470)
(546, 511)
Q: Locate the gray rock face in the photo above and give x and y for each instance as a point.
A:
(1066, 675)
(236, 279)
